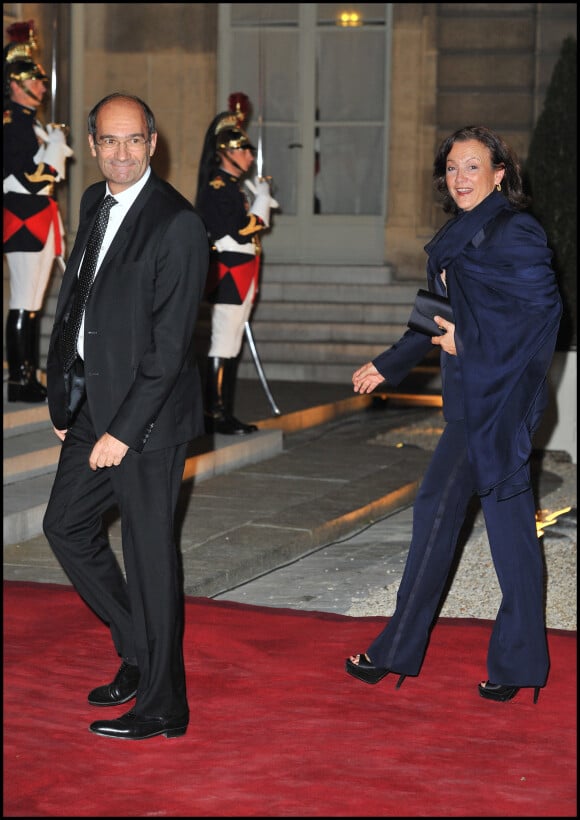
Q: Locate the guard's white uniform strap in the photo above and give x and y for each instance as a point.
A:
(228, 243)
(12, 185)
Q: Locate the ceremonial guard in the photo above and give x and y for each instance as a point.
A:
(34, 160)
(234, 224)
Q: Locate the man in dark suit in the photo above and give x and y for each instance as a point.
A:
(125, 409)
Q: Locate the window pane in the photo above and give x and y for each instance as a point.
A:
(345, 59)
(264, 14)
(281, 158)
(274, 83)
(350, 176)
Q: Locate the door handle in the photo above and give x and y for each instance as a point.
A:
(295, 145)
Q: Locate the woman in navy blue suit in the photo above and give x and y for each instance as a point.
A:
(492, 261)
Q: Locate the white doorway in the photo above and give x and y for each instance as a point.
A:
(319, 87)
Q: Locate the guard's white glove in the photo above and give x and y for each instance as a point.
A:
(263, 202)
(56, 151)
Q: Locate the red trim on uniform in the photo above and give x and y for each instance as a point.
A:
(243, 275)
(11, 224)
(57, 231)
(38, 224)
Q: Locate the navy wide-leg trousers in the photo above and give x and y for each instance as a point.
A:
(517, 652)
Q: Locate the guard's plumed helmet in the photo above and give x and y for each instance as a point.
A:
(228, 130)
(19, 63)
(225, 132)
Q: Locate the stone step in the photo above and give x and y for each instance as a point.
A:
(20, 417)
(350, 292)
(290, 351)
(325, 340)
(26, 495)
(326, 332)
(311, 322)
(323, 330)
(31, 452)
(306, 334)
(329, 274)
(423, 379)
(346, 316)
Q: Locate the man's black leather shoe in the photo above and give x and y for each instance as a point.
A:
(132, 727)
(122, 689)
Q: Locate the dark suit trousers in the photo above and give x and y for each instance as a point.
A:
(145, 611)
(517, 652)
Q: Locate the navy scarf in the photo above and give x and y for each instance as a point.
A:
(507, 310)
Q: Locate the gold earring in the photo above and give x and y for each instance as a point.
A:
(498, 187)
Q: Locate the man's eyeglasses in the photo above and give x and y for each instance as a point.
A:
(110, 144)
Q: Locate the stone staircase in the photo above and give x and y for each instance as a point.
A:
(312, 323)
(31, 451)
(318, 323)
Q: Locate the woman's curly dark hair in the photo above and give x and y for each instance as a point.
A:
(502, 156)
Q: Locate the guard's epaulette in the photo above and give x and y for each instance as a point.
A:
(7, 117)
(217, 182)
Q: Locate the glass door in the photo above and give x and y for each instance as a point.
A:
(317, 77)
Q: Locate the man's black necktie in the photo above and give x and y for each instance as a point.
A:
(85, 280)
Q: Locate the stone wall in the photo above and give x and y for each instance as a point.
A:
(457, 64)
(452, 64)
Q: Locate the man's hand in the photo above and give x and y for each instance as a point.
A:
(366, 378)
(107, 452)
(447, 341)
(60, 433)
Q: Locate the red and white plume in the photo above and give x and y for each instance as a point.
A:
(239, 104)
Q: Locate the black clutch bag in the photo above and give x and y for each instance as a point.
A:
(427, 305)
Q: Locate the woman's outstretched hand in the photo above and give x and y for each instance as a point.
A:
(366, 378)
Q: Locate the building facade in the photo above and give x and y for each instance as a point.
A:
(369, 103)
(450, 64)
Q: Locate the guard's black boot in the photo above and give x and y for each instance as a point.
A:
(217, 418)
(214, 409)
(20, 340)
(34, 341)
(229, 391)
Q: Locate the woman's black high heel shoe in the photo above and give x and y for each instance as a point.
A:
(364, 670)
(502, 692)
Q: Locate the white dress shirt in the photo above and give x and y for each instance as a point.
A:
(116, 215)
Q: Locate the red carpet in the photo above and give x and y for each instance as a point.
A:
(277, 727)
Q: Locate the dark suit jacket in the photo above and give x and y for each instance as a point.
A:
(142, 383)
